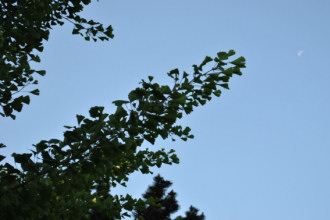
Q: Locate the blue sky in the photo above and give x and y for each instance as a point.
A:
(260, 152)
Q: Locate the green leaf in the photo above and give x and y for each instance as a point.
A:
(217, 93)
(91, 22)
(186, 85)
(225, 85)
(29, 166)
(2, 157)
(120, 102)
(46, 157)
(132, 96)
(181, 100)
(120, 112)
(223, 55)
(35, 58)
(11, 169)
(6, 96)
(173, 73)
(13, 87)
(186, 130)
(79, 26)
(17, 105)
(21, 158)
(188, 109)
(205, 61)
(103, 38)
(26, 100)
(165, 90)
(35, 92)
(228, 72)
(202, 101)
(8, 110)
(171, 117)
(149, 138)
(175, 158)
(96, 111)
(109, 32)
(80, 118)
(239, 62)
(158, 95)
(54, 141)
(41, 72)
(41, 146)
(231, 52)
(75, 31)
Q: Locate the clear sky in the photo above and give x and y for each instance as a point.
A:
(261, 151)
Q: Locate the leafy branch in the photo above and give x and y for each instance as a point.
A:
(24, 27)
(103, 149)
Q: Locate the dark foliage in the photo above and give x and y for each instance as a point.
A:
(24, 26)
(72, 177)
(162, 205)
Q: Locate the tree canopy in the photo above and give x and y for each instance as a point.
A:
(73, 177)
(24, 26)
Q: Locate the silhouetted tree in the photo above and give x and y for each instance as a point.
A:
(192, 214)
(165, 204)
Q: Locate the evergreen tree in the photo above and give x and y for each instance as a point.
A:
(192, 214)
(165, 204)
